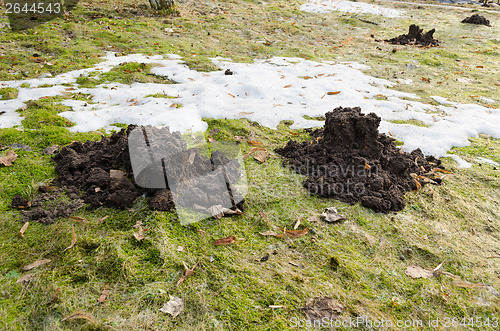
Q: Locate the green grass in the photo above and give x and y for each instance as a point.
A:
(359, 262)
(8, 93)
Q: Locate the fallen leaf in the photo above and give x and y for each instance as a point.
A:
(287, 86)
(239, 138)
(244, 113)
(73, 241)
(104, 294)
(418, 272)
(261, 156)
(296, 226)
(254, 143)
(293, 233)
(79, 315)
(54, 297)
(269, 233)
(174, 105)
(425, 79)
(333, 93)
(77, 218)
(24, 228)
(218, 211)
(294, 133)
(187, 273)
(331, 215)
(225, 241)
(25, 279)
(7, 160)
(35, 264)
(322, 307)
(464, 283)
(174, 307)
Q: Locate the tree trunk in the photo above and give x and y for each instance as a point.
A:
(161, 4)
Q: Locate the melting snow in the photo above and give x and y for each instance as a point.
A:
(326, 6)
(266, 91)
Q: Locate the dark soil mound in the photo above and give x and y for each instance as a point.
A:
(51, 204)
(351, 161)
(101, 172)
(415, 36)
(476, 19)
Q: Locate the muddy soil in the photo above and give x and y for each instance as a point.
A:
(101, 172)
(476, 19)
(349, 160)
(415, 36)
(50, 205)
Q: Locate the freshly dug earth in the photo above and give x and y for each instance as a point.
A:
(476, 19)
(351, 161)
(45, 208)
(101, 172)
(415, 36)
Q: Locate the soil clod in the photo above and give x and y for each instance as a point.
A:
(415, 36)
(476, 19)
(101, 172)
(351, 161)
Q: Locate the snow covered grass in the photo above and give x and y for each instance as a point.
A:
(457, 222)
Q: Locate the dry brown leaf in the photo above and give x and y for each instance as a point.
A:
(254, 143)
(218, 211)
(35, 264)
(464, 283)
(264, 216)
(269, 233)
(261, 156)
(441, 170)
(293, 233)
(331, 215)
(418, 272)
(173, 105)
(73, 241)
(322, 307)
(296, 226)
(104, 294)
(333, 93)
(294, 133)
(77, 218)
(244, 113)
(174, 307)
(187, 273)
(139, 235)
(239, 138)
(7, 160)
(79, 315)
(287, 86)
(225, 241)
(54, 297)
(24, 228)
(25, 279)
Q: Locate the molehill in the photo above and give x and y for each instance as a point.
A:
(415, 36)
(349, 160)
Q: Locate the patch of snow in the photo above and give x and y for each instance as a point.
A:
(461, 162)
(442, 100)
(265, 91)
(326, 6)
(485, 160)
(487, 100)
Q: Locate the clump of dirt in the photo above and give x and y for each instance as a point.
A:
(48, 206)
(476, 19)
(101, 172)
(415, 36)
(349, 160)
